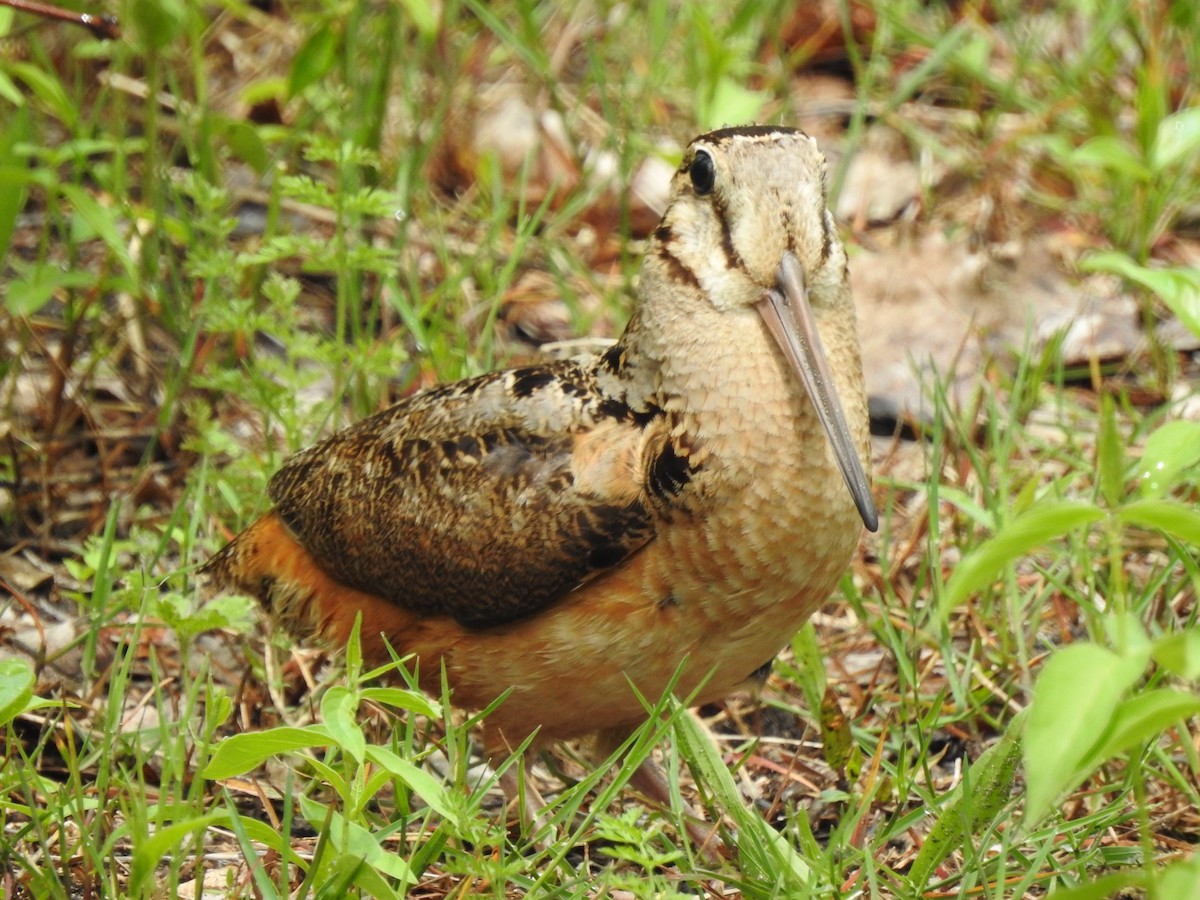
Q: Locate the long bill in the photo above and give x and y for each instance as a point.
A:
(788, 315)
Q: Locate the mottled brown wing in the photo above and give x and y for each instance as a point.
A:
(462, 501)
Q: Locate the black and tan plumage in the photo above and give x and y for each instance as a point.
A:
(574, 532)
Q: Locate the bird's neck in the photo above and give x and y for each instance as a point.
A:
(765, 468)
(720, 377)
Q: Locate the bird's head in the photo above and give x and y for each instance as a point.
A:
(747, 226)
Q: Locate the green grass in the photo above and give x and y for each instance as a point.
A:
(192, 290)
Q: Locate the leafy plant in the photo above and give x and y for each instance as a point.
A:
(356, 850)
(16, 690)
(1142, 177)
(1176, 286)
(1085, 710)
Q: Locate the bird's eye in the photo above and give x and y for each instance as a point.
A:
(703, 173)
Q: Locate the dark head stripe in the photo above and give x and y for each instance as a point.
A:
(752, 131)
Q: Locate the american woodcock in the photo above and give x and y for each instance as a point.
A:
(577, 532)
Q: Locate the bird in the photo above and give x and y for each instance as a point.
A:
(577, 535)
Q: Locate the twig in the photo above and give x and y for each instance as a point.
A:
(104, 26)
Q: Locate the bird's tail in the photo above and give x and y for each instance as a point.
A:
(265, 561)
(236, 567)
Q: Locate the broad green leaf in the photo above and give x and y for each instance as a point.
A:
(313, 60)
(426, 786)
(1178, 288)
(424, 16)
(240, 753)
(156, 23)
(990, 780)
(25, 296)
(245, 142)
(1150, 101)
(1055, 145)
(16, 688)
(1141, 718)
(1127, 636)
(261, 91)
(1179, 653)
(353, 840)
(339, 707)
(1179, 520)
(218, 706)
(1180, 291)
(368, 880)
(179, 613)
(327, 774)
(10, 92)
(975, 54)
(266, 835)
(82, 148)
(1178, 139)
(47, 90)
(1113, 154)
(730, 101)
(1170, 449)
(979, 515)
(103, 221)
(1037, 526)
(14, 177)
(1074, 701)
(1110, 455)
(1181, 879)
(402, 698)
